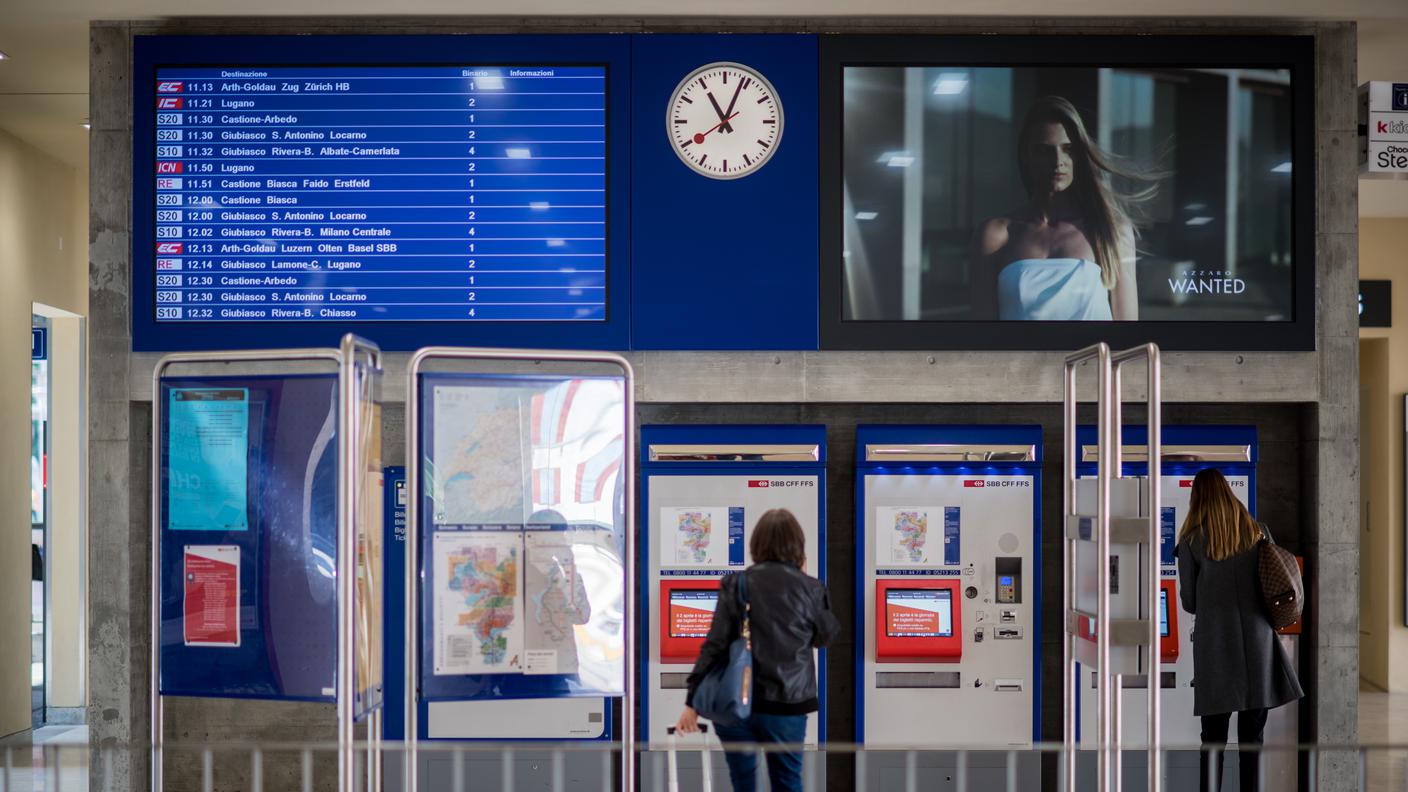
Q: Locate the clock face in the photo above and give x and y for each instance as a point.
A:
(724, 120)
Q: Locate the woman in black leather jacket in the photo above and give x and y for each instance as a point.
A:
(789, 615)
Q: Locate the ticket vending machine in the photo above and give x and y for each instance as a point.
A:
(1186, 450)
(948, 561)
(703, 489)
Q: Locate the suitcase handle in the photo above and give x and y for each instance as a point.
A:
(703, 729)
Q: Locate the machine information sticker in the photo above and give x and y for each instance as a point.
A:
(698, 536)
(952, 546)
(211, 612)
(478, 626)
(208, 459)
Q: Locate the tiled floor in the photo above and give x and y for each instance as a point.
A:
(61, 753)
(1383, 719)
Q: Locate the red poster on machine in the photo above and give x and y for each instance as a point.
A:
(212, 595)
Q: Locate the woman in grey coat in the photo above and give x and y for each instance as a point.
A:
(1238, 664)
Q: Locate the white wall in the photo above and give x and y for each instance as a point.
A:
(43, 259)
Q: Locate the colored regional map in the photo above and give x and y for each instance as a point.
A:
(480, 446)
(904, 535)
(698, 536)
(478, 607)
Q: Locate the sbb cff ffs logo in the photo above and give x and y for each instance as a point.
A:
(769, 484)
(1233, 483)
(169, 86)
(986, 484)
(170, 103)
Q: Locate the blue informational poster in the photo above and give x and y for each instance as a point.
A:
(1168, 539)
(208, 459)
(951, 535)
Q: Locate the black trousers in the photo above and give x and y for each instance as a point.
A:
(1250, 726)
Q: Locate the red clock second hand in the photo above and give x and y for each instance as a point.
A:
(699, 136)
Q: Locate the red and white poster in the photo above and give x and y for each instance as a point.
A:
(212, 595)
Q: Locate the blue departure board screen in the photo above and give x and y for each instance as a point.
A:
(380, 194)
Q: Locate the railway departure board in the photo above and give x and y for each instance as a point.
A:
(380, 193)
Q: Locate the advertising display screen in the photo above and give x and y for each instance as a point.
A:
(919, 613)
(691, 613)
(1126, 187)
(1067, 194)
(380, 194)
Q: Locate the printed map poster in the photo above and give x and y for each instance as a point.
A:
(565, 630)
(909, 536)
(480, 463)
(478, 623)
(207, 459)
(694, 536)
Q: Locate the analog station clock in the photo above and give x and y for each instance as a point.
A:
(724, 120)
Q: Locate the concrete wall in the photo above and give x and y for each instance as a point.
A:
(1376, 494)
(1320, 382)
(1385, 639)
(41, 261)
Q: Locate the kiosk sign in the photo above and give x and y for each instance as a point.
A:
(1383, 128)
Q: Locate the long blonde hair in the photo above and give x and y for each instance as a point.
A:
(1103, 208)
(1218, 518)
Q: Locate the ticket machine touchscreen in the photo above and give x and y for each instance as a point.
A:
(691, 612)
(919, 613)
(1163, 613)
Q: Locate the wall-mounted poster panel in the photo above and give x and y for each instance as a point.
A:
(379, 184)
(1107, 188)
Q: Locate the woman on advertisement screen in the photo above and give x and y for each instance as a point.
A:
(1068, 254)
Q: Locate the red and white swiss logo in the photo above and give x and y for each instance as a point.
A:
(170, 86)
(757, 483)
(169, 248)
(1185, 483)
(170, 166)
(170, 103)
(974, 483)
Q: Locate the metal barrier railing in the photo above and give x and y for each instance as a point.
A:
(586, 767)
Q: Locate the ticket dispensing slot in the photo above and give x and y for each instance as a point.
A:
(919, 621)
(1168, 620)
(686, 612)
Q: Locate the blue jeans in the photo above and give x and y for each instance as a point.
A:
(784, 767)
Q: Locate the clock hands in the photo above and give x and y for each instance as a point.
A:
(699, 136)
(723, 116)
(731, 103)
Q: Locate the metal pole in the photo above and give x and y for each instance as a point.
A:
(1154, 443)
(155, 582)
(347, 431)
(628, 724)
(1102, 571)
(1070, 686)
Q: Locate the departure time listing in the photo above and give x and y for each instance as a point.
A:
(403, 193)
